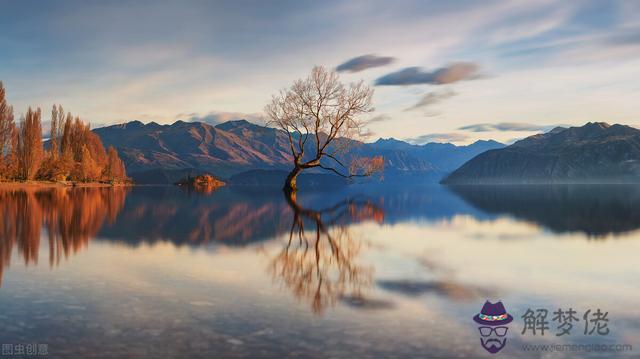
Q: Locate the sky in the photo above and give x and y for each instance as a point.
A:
(443, 71)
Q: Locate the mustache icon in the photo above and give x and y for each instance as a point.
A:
(493, 343)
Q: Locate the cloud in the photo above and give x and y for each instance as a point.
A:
(364, 303)
(508, 126)
(511, 141)
(628, 38)
(455, 72)
(529, 24)
(364, 62)
(450, 289)
(46, 126)
(379, 118)
(431, 98)
(439, 137)
(217, 117)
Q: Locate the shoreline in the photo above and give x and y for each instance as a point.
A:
(50, 184)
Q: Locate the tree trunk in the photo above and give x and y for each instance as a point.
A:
(290, 185)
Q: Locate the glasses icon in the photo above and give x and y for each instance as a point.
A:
(486, 331)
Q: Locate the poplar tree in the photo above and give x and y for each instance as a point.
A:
(30, 144)
(6, 132)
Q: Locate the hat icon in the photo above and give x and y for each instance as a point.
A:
(493, 314)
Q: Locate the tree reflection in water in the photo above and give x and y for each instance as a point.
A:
(319, 261)
(70, 216)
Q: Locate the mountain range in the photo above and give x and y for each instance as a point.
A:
(155, 153)
(594, 153)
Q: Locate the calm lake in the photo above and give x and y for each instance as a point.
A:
(363, 271)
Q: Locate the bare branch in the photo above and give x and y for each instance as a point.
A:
(322, 107)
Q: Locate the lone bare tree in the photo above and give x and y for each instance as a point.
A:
(324, 111)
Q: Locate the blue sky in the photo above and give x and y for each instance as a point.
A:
(454, 70)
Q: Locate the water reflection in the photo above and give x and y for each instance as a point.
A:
(155, 214)
(449, 289)
(394, 271)
(319, 262)
(596, 211)
(69, 216)
(229, 216)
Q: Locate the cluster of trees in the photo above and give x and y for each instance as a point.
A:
(72, 153)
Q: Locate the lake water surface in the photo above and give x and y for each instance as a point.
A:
(363, 271)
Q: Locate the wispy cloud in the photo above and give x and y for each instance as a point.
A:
(379, 118)
(439, 137)
(624, 38)
(530, 23)
(508, 126)
(445, 75)
(431, 98)
(364, 62)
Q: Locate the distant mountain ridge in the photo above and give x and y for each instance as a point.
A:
(594, 153)
(225, 149)
(444, 156)
(153, 150)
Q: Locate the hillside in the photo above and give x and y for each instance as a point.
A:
(224, 150)
(166, 151)
(593, 153)
(445, 157)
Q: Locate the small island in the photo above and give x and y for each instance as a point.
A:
(202, 183)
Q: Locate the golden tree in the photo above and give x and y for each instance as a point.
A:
(7, 126)
(322, 117)
(114, 171)
(57, 121)
(66, 152)
(30, 144)
(11, 160)
(89, 169)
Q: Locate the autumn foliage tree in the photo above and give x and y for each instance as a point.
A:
(114, 170)
(7, 135)
(30, 145)
(73, 152)
(54, 168)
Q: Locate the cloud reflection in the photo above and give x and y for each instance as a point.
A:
(447, 288)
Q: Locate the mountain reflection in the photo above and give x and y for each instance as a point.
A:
(227, 216)
(319, 261)
(593, 210)
(154, 214)
(69, 216)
